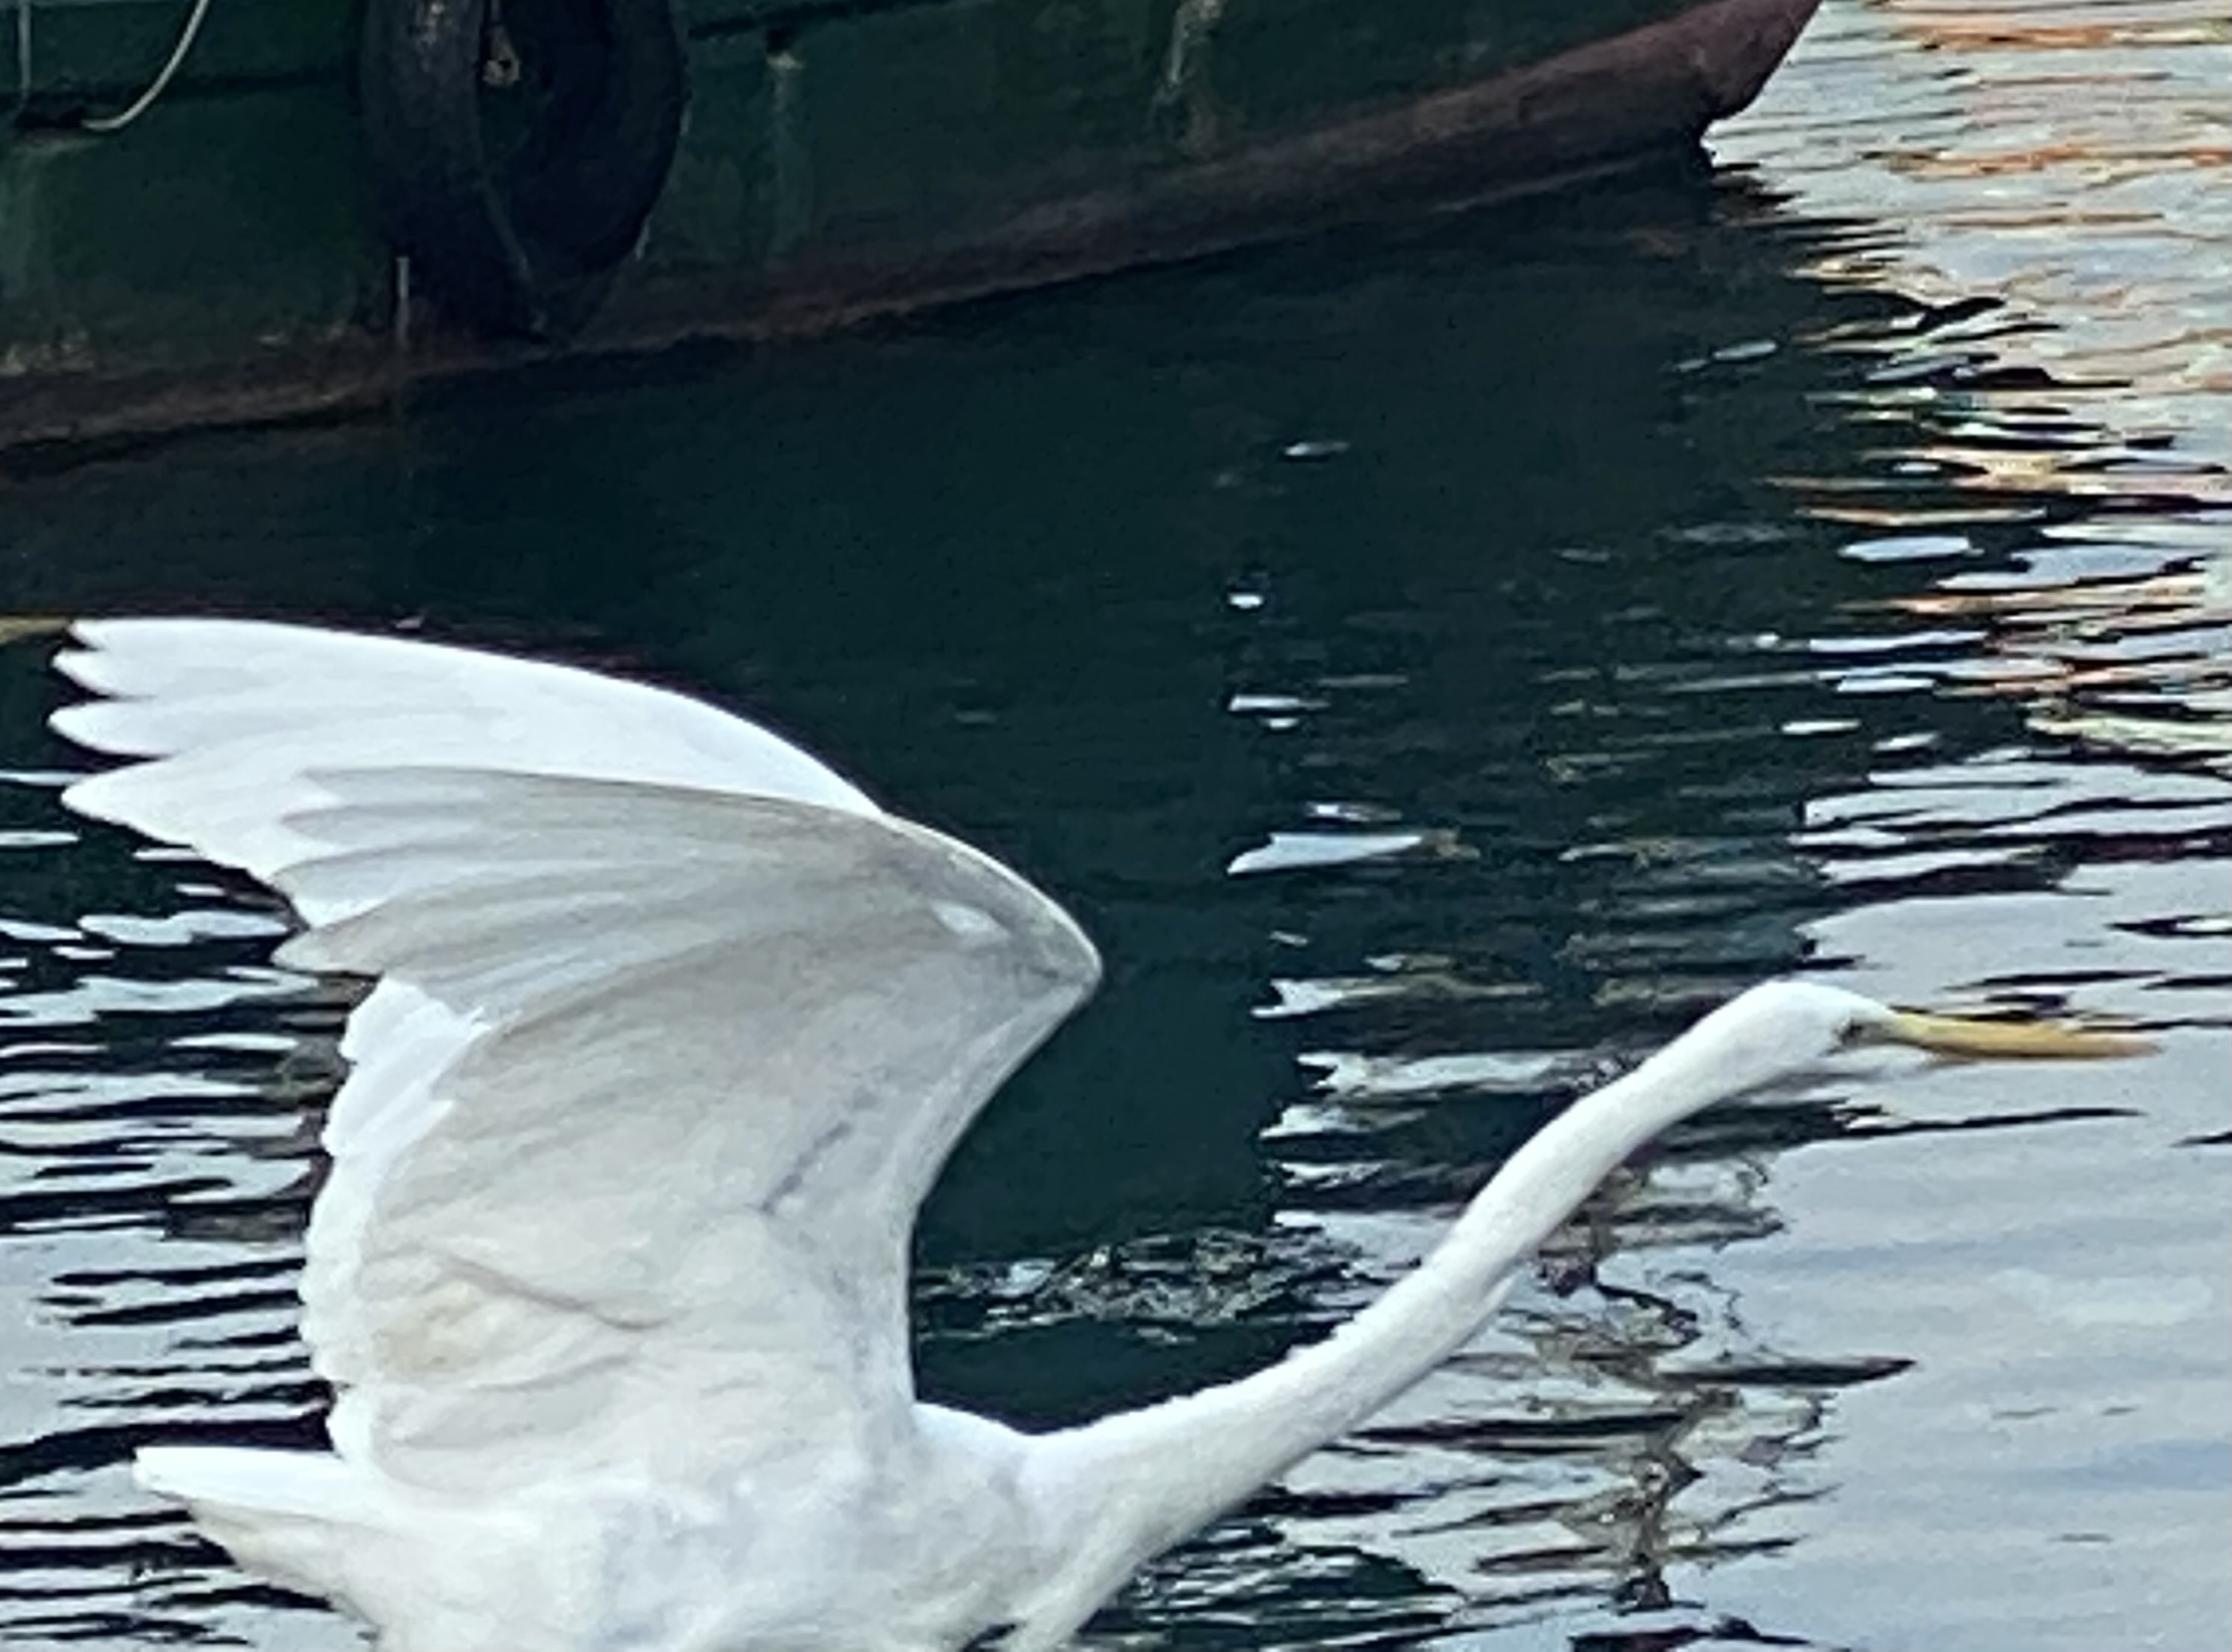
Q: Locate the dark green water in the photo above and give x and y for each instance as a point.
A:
(1740, 573)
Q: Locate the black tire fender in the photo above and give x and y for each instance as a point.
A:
(514, 160)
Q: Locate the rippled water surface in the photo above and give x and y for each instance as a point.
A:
(1436, 667)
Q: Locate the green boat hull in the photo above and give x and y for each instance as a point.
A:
(219, 257)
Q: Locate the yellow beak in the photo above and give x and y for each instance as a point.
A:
(1960, 1035)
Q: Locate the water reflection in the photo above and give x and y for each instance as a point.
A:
(1434, 670)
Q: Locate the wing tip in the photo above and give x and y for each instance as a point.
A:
(95, 655)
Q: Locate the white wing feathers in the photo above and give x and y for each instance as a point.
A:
(240, 710)
(674, 1030)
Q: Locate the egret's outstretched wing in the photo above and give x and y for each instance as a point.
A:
(674, 1029)
(239, 710)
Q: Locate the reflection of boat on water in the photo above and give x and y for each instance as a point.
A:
(299, 218)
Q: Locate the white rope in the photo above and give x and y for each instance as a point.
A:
(23, 54)
(156, 88)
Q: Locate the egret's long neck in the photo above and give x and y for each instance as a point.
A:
(1144, 1478)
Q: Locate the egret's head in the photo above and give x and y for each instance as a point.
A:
(1786, 1027)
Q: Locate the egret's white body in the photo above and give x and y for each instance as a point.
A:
(673, 1029)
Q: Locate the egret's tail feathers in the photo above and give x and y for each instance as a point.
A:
(292, 1516)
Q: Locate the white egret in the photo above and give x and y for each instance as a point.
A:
(672, 1030)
